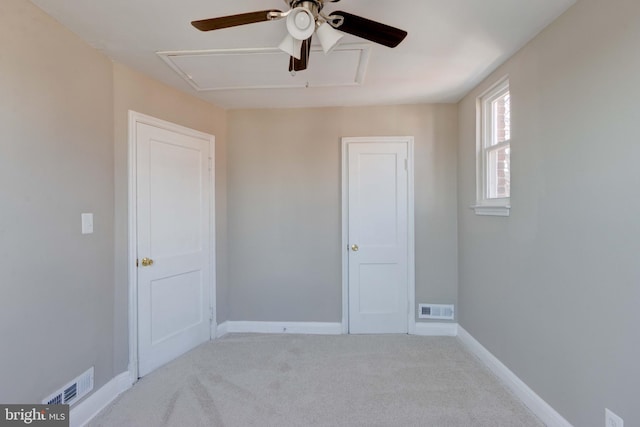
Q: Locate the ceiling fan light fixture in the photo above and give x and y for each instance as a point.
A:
(301, 23)
(291, 46)
(303, 19)
(329, 37)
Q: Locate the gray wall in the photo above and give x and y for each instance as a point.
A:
(56, 162)
(285, 215)
(63, 116)
(553, 291)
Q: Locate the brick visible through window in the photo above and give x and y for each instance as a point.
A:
(502, 132)
(494, 154)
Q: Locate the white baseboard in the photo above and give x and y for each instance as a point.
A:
(221, 329)
(430, 329)
(310, 328)
(435, 329)
(535, 403)
(84, 411)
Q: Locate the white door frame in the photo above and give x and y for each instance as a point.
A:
(411, 275)
(134, 119)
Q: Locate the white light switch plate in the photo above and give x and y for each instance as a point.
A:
(87, 223)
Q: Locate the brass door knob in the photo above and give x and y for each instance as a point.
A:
(147, 262)
(355, 248)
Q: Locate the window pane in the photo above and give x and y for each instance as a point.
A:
(499, 171)
(501, 111)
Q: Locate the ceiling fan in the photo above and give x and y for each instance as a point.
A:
(306, 18)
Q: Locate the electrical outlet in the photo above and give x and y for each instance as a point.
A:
(612, 420)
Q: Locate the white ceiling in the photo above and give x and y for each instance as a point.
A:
(452, 44)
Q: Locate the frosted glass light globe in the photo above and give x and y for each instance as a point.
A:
(303, 21)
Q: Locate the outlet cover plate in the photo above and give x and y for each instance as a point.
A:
(612, 420)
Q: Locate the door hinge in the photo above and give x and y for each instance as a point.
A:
(210, 314)
(406, 164)
(210, 163)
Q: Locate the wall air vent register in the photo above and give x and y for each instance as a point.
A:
(73, 391)
(436, 311)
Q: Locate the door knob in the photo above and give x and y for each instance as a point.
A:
(355, 248)
(147, 262)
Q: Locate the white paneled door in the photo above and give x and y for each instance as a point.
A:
(378, 240)
(173, 244)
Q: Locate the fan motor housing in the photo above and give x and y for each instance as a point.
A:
(313, 5)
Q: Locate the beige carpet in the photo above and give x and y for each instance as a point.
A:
(298, 380)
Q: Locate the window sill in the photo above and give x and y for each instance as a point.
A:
(492, 210)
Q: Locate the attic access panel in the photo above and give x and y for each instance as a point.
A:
(267, 68)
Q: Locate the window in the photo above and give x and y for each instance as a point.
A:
(494, 151)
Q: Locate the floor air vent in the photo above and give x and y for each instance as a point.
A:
(436, 311)
(72, 392)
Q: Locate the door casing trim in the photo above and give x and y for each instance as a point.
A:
(411, 275)
(134, 119)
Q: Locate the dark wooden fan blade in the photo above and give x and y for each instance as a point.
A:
(302, 63)
(233, 20)
(370, 30)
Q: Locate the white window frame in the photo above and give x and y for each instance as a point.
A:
(484, 120)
